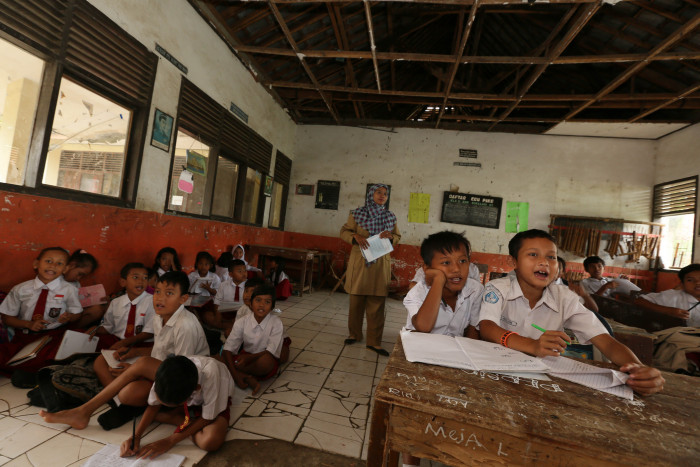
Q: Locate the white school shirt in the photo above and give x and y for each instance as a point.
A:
(276, 280)
(449, 322)
(268, 335)
(473, 274)
(677, 299)
(227, 293)
(62, 297)
(216, 387)
(222, 272)
(559, 308)
(181, 335)
(117, 315)
(196, 281)
(592, 285)
(161, 271)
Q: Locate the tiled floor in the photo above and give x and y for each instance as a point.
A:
(321, 399)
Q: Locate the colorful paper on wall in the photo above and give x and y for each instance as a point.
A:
(419, 208)
(516, 216)
(196, 163)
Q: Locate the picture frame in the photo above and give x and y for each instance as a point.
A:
(307, 190)
(268, 186)
(161, 133)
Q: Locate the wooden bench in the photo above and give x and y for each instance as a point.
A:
(632, 315)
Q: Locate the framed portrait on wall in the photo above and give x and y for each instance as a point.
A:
(268, 186)
(162, 130)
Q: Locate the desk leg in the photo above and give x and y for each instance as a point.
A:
(378, 450)
(311, 275)
(303, 277)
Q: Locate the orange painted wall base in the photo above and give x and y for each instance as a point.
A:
(116, 236)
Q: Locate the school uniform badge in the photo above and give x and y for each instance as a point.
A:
(491, 297)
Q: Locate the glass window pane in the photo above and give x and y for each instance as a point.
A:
(87, 148)
(676, 248)
(187, 146)
(251, 197)
(225, 188)
(20, 81)
(276, 205)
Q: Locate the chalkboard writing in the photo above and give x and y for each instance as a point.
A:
(327, 194)
(468, 209)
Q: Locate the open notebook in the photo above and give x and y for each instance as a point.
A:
(108, 456)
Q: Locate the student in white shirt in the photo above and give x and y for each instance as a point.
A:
(682, 303)
(597, 284)
(239, 253)
(511, 305)
(128, 320)
(279, 278)
(253, 348)
(230, 295)
(166, 260)
(447, 301)
(203, 280)
(222, 265)
(193, 393)
(39, 307)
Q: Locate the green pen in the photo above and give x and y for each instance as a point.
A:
(544, 330)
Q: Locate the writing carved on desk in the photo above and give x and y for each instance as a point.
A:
(535, 383)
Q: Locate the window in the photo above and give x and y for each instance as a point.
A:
(675, 206)
(226, 182)
(280, 191)
(20, 80)
(188, 149)
(87, 148)
(251, 197)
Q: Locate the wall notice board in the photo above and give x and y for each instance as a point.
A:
(468, 209)
(327, 194)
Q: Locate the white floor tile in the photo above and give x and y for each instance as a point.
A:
(62, 450)
(354, 365)
(322, 360)
(359, 351)
(352, 383)
(324, 441)
(18, 436)
(330, 348)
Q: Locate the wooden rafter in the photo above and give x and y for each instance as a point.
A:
(372, 46)
(342, 40)
(688, 91)
(293, 44)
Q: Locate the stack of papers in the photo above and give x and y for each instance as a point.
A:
(378, 247)
(471, 354)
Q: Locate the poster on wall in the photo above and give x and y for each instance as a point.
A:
(517, 216)
(468, 209)
(196, 163)
(419, 208)
(162, 130)
(327, 194)
(388, 193)
(268, 186)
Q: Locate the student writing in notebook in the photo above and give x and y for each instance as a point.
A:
(511, 305)
(128, 320)
(39, 307)
(193, 393)
(682, 303)
(446, 301)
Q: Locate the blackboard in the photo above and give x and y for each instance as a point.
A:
(327, 194)
(468, 209)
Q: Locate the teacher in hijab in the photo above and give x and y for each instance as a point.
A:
(367, 282)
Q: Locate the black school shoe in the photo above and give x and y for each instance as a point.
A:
(24, 379)
(116, 417)
(379, 350)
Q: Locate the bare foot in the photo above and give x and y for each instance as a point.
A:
(253, 383)
(72, 417)
(241, 381)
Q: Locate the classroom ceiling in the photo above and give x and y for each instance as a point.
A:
(586, 67)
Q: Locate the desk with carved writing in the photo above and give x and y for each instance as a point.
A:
(463, 417)
(304, 256)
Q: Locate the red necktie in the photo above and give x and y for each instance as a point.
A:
(41, 305)
(236, 297)
(130, 322)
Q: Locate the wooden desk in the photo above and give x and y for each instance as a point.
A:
(472, 418)
(633, 315)
(306, 257)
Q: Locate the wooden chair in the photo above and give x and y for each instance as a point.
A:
(483, 272)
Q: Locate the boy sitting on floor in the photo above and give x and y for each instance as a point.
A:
(252, 350)
(681, 303)
(230, 294)
(202, 384)
(511, 305)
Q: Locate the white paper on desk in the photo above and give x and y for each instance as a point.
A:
(75, 342)
(490, 356)
(602, 379)
(108, 456)
(113, 362)
(378, 247)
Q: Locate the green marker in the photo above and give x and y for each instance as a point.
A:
(544, 330)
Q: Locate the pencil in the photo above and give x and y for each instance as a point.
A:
(544, 330)
(133, 433)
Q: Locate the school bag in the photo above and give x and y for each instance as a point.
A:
(62, 387)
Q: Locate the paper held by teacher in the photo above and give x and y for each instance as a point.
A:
(378, 247)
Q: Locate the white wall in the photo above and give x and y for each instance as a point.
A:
(178, 28)
(555, 174)
(678, 156)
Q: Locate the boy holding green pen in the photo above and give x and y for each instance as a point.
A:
(527, 313)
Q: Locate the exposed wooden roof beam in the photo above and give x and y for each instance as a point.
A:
(583, 18)
(372, 46)
(457, 2)
(688, 91)
(458, 58)
(632, 70)
(342, 40)
(293, 44)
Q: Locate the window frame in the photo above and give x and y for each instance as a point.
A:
(696, 226)
(285, 190)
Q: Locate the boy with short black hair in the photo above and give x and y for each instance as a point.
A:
(252, 350)
(511, 305)
(597, 284)
(682, 303)
(447, 301)
(128, 320)
(202, 384)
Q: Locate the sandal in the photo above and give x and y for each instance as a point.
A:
(350, 340)
(379, 350)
